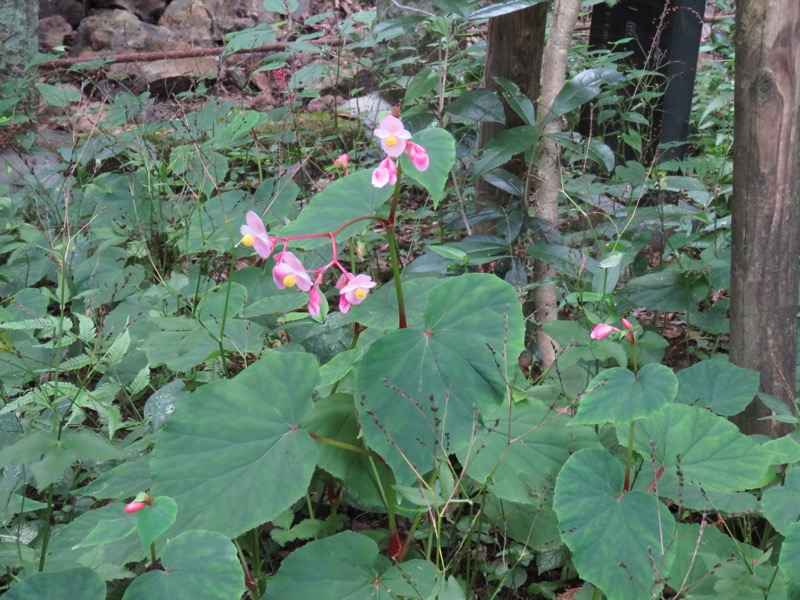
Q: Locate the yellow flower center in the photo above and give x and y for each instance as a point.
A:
(360, 293)
(391, 141)
(289, 281)
(248, 240)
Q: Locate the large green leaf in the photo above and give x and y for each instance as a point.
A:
(80, 583)
(617, 395)
(723, 387)
(67, 551)
(505, 144)
(619, 541)
(441, 148)
(155, 520)
(424, 388)
(232, 454)
(197, 564)
(781, 503)
(345, 199)
(669, 290)
(707, 449)
(334, 418)
(523, 451)
(790, 558)
(699, 553)
(181, 345)
(347, 566)
(582, 88)
(479, 105)
(379, 309)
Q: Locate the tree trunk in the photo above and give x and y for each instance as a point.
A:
(766, 196)
(515, 44)
(547, 177)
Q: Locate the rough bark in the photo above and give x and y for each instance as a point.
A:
(546, 184)
(17, 37)
(766, 197)
(515, 44)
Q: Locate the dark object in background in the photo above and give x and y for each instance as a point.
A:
(666, 39)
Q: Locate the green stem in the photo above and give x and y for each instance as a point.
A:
(342, 445)
(153, 558)
(48, 527)
(388, 501)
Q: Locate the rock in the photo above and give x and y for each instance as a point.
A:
(149, 11)
(191, 21)
(114, 31)
(71, 10)
(170, 77)
(51, 32)
(235, 15)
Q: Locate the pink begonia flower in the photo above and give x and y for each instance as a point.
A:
(603, 330)
(314, 301)
(626, 324)
(288, 272)
(393, 135)
(385, 173)
(254, 234)
(418, 156)
(342, 162)
(353, 290)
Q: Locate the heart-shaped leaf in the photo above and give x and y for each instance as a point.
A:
(335, 418)
(197, 564)
(790, 558)
(619, 541)
(781, 503)
(723, 387)
(348, 566)
(523, 451)
(155, 520)
(707, 449)
(80, 583)
(424, 388)
(619, 396)
(232, 454)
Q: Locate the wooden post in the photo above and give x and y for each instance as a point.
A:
(515, 45)
(766, 202)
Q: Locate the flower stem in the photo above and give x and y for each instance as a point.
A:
(626, 485)
(395, 260)
(401, 307)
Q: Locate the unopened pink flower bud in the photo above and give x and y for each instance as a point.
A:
(136, 506)
(418, 156)
(627, 324)
(314, 301)
(385, 173)
(602, 330)
(342, 162)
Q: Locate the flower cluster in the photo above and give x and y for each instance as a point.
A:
(395, 140)
(289, 272)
